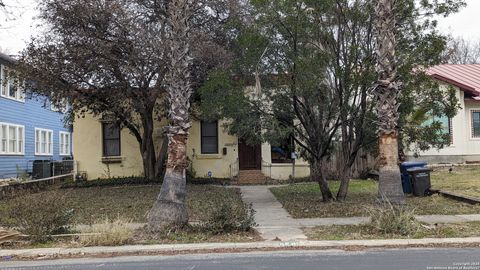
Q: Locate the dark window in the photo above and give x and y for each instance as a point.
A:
(111, 140)
(446, 123)
(282, 153)
(209, 137)
(475, 124)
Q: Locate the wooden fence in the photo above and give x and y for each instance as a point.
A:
(364, 164)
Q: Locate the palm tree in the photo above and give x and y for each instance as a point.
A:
(387, 96)
(169, 208)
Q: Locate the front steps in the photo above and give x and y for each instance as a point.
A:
(251, 177)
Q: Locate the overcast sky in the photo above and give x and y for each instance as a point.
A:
(15, 34)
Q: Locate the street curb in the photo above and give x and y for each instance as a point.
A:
(171, 249)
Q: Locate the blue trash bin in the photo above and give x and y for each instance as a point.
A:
(406, 181)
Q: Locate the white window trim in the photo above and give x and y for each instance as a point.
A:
(20, 93)
(470, 120)
(8, 153)
(68, 152)
(50, 153)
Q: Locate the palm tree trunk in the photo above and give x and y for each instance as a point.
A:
(169, 209)
(387, 96)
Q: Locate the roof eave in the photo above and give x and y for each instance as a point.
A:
(462, 86)
(6, 59)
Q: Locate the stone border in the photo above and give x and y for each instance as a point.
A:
(12, 188)
(458, 197)
(449, 165)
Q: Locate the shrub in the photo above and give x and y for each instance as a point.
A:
(41, 216)
(120, 181)
(208, 181)
(108, 233)
(392, 219)
(139, 180)
(227, 216)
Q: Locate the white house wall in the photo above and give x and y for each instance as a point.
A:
(464, 148)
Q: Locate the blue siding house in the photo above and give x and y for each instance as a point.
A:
(30, 128)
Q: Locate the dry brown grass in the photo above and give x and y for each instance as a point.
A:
(130, 202)
(461, 180)
(367, 231)
(387, 219)
(114, 207)
(304, 201)
(108, 232)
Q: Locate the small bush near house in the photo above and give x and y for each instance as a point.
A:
(208, 181)
(390, 219)
(108, 233)
(139, 180)
(41, 216)
(120, 181)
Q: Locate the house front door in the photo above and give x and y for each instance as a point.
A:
(249, 157)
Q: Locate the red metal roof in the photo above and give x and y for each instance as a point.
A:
(466, 77)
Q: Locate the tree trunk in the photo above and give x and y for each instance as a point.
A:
(162, 154)
(344, 182)
(319, 176)
(387, 96)
(147, 148)
(169, 210)
(347, 158)
(389, 184)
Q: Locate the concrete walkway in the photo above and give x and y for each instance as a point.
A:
(274, 222)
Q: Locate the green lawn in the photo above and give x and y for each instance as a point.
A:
(359, 232)
(461, 180)
(130, 202)
(304, 201)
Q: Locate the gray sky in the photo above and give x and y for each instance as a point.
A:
(15, 34)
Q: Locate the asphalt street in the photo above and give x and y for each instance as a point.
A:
(402, 259)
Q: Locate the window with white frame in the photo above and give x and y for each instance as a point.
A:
(10, 87)
(64, 143)
(43, 142)
(12, 139)
(475, 119)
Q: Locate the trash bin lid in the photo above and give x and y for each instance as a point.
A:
(418, 169)
(413, 164)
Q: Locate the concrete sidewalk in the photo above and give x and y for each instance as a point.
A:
(432, 219)
(274, 222)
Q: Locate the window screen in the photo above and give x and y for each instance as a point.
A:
(476, 124)
(209, 137)
(111, 140)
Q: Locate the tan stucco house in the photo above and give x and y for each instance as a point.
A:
(212, 152)
(464, 128)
